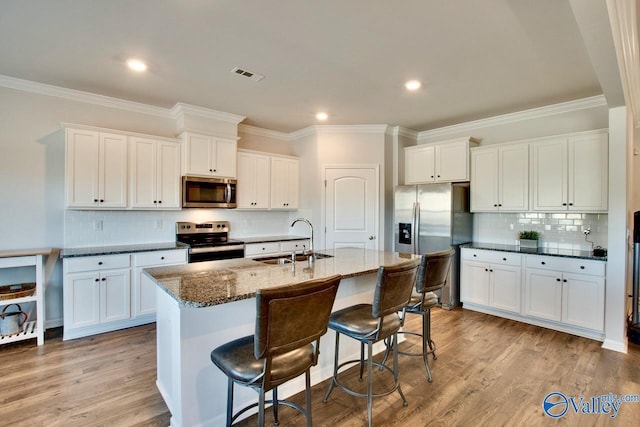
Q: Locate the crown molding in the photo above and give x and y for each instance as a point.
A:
(624, 27)
(407, 133)
(360, 129)
(180, 109)
(534, 113)
(253, 130)
(80, 96)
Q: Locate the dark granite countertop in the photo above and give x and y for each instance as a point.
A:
(120, 249)
(566, 253)
(264, 239)
(205, 284)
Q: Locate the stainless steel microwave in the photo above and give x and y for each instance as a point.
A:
(198, 192)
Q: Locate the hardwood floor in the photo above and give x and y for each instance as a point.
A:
(489, 372)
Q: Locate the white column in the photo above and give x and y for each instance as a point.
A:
(618, 232)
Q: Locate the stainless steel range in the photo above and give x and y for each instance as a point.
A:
(209, 241)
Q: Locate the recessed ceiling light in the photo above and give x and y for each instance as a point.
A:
(136, 65)
(322, 116)
(413, 85)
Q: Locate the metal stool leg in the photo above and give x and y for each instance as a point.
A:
(261, 408)
(369, 382)
(335, 369)
(275, 406)
(308, 396)
(229, 401)
(425, 344)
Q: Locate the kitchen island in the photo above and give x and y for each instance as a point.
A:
(203, 305)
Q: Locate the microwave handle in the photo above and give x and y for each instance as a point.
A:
(227, 193)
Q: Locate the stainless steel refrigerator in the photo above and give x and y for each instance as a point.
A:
(434, 217)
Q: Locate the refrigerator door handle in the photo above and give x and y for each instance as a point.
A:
(414, 228)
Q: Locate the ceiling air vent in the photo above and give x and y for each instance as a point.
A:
(248, 74)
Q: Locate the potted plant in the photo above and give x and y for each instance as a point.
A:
(529, 239)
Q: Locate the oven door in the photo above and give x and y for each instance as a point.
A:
(215, 253)
(200, 192)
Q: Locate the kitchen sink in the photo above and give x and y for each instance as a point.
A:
(282, 259)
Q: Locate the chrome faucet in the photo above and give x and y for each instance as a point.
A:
(310, 226)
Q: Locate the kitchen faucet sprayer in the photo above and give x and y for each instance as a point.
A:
(310, 226)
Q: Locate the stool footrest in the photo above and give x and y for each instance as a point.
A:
(381, 367)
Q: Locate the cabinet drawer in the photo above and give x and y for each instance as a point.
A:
(582, 266)
(144, 259)
(261, 248)
(493, 257)
(294, 245)
(96, 263)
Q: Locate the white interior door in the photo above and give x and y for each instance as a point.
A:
(351, 207)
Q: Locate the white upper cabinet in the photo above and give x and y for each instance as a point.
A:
(500, 178)
(446, 161)
(285, 185)
(254, 180)
(155, 174)
(209, 156)
(571, 173)
(96, 169)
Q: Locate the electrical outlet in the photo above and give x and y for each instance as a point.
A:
(97, 225)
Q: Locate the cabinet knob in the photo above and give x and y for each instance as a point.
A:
(557, 280)
(159, 201)
(490, 270)
(504, 259)
(104, 279)
(564, 280)
(155, 201)
(475, 255)
(543, 263)
(570, 204)
(499, 204)
(438, 176)
(431, 176)
(486, 269)
(564, 204)
(95, 200)
(99, 262)
(495, 205)
(210, 170)
(101, 200)
(97, 280)
(161, 257)
(582, 267)
(215, 170)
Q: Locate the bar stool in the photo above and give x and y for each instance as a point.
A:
(370, 323)
(432, 276)
(289, 323)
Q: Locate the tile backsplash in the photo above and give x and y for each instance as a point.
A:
(557, 230)
(106, 228)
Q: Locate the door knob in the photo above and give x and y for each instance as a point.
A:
(372, 237)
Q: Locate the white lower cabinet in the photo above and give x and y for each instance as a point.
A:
(492, 279)
(566, 290)
(285, 247)
(566, 294)
(144, 292)
(104, 293)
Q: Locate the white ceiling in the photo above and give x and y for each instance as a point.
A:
(476, 59)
